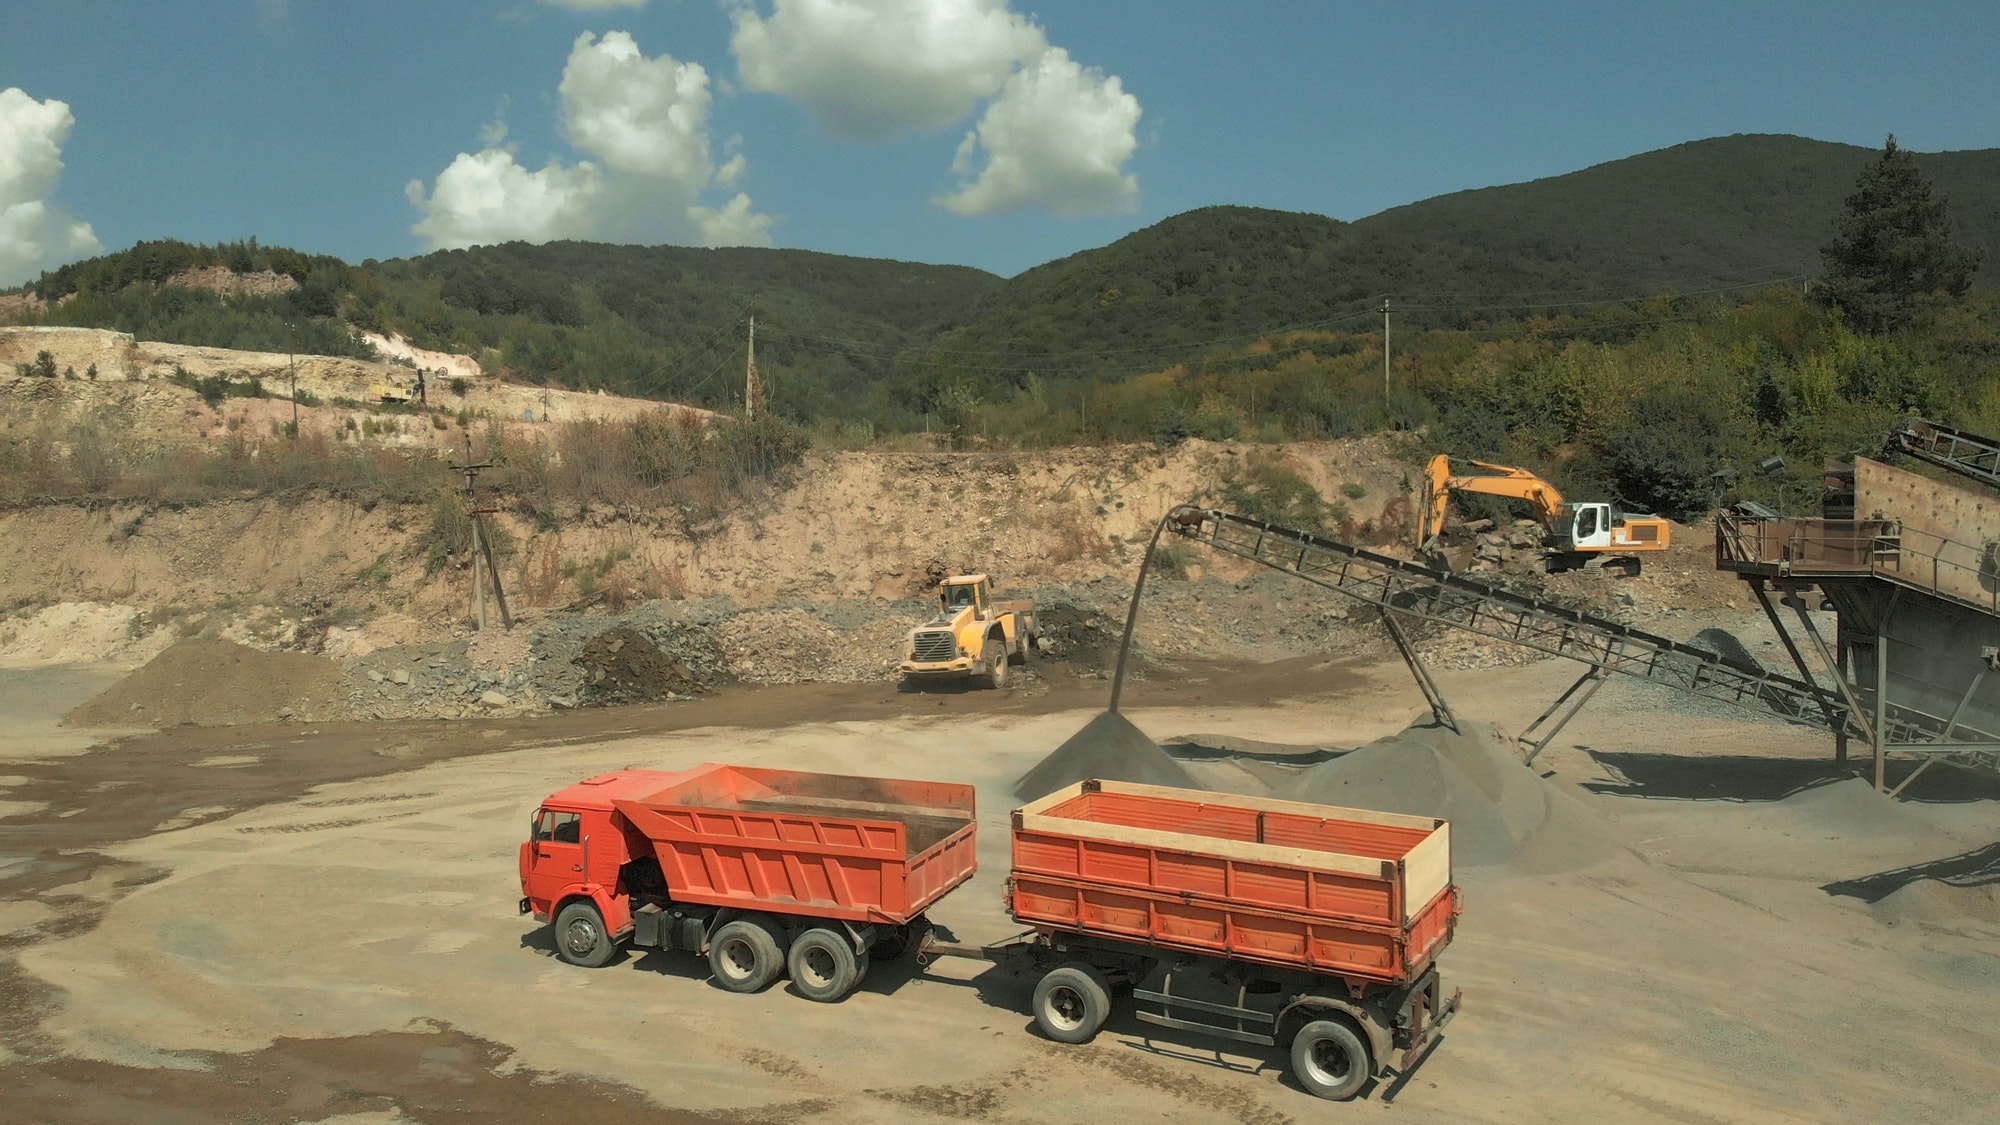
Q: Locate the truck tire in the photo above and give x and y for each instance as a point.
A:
(1330, 1060)
(744, 956)
(823, 965)
(580, 936)
(998, 671)
(1071, 1003)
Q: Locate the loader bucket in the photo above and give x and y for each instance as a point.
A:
(1108, 748)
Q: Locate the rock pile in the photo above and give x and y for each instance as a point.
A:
(623, 665)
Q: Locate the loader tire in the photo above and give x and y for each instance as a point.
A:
(999, 673)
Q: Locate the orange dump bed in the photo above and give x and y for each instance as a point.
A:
(1360, 894)
(864, 849)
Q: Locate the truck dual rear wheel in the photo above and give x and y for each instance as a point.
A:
(1330, 1060)
(823, 965)
(744, 956)
(1072, 1003)
(580, 936)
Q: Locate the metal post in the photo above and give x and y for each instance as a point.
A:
(1132, 613)
(1882, 688)
(1440, 711)
(1840, 676)
(1833, 721)
(1588, 683)
(1855, 714)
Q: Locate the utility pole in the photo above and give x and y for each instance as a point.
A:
(293, 360)
(1385, 353)
(753, 390)
(482, 544)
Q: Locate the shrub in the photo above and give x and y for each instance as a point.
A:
(1262, 488)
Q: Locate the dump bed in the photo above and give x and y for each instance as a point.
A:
(1364, 895)
(863, 849)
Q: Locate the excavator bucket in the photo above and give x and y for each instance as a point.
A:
(1108, 748)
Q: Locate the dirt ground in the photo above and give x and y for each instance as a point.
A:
(316, 922)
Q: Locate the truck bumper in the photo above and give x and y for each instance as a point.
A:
(1429, 1034)
(941, 669)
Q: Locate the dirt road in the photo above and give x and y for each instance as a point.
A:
(316, 922)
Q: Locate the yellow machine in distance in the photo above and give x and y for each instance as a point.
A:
(1575, 533)
(972, 635)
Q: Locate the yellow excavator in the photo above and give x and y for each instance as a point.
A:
(1574, 534)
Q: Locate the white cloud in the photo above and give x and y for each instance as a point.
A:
(1058, 136)
(34, 233)
(645, 124)
(872, 69)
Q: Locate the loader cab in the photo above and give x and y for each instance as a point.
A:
(1585, 527)
(957, 595)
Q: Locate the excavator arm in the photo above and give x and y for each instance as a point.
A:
(1491, 480)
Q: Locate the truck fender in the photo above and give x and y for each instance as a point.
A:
(616, 911)
(1305, 1009)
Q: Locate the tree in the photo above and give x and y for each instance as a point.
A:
(1892, 249)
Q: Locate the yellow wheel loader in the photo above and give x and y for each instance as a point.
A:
(972, 636)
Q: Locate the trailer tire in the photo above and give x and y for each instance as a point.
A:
(1072, 1003)
(1330, 1060)
(744, 957)
(823, 965)
(580, 936)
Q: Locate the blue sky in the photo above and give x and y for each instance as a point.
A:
(305, 122)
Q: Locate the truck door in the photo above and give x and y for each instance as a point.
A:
(553, 858)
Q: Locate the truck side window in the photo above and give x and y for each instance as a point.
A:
(542, 827)
(569, 828)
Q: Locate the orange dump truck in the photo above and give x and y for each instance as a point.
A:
(1268, 922)
(766, 872)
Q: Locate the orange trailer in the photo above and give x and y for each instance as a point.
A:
(765, 871)
(1269, 922)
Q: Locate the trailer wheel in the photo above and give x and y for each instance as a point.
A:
(744, 956)
(580, 936)
(1330, 1060)
(1072, 1003)
(823, 965)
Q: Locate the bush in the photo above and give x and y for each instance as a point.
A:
(1264, 489)
(1665, 458)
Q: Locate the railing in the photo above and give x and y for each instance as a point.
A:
(1888, 549)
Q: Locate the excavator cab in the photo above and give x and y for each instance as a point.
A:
(1584, 527)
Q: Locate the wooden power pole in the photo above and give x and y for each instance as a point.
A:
(753, 388)
(1385, 354)
(484, 570)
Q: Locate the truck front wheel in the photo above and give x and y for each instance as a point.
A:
(744, 956)
(580, 936)
(998, 670)
(823, 965)
(1330, 1060)
(1072, 1003)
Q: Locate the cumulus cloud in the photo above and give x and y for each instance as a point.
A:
(643, 123)
(1058, 136)
(35, 234)
(871, 69)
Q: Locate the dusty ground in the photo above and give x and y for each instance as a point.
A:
(302, 922)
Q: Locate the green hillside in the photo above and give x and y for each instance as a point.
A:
(1693, 218)
(891, 342)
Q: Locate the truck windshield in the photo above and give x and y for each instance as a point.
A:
(957, 597)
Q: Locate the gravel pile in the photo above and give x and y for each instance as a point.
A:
(623, 665)
(435, 680)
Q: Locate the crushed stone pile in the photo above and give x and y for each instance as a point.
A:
(1939, 903)
(1502, 813)
(1108, 748)
(623, 665)
(206, 681)
(427, 681)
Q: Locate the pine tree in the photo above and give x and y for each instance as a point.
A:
(1892, 250)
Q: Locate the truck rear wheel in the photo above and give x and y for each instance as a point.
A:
(1330, 1060)
(1072, 1003)
(580, 936)
(823, 965)
(744, 956)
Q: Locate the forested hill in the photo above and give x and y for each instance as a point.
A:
(1695, 217)
(854, 337)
